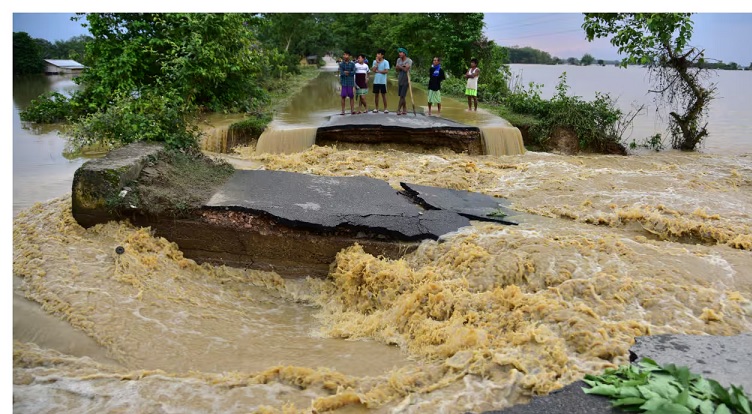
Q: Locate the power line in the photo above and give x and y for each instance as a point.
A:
(514, 26)
(539, 35)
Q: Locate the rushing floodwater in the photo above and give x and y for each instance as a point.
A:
(610, 248)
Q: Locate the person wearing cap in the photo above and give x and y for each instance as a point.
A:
(402, 66)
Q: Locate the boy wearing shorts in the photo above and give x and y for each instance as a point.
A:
(381, 68)
(347, 80)
(403, 66)
(361, 82)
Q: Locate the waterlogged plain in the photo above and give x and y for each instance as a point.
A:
(608, 248)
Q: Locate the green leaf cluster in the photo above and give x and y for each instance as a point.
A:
(651, 388)
(642, 37)
(48, 108)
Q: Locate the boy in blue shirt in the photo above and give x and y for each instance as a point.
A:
(380, 68)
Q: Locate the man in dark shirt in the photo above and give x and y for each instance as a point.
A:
(435, 77)
(403, 66)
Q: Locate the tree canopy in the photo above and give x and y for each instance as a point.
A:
(27, 55)
(529, 55)
(661, 42)
(587, 59)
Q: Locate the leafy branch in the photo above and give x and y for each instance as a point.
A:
(651, 388)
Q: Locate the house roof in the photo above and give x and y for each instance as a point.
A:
(65, 63)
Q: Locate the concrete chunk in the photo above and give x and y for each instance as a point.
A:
(726, 359)
(99, 182)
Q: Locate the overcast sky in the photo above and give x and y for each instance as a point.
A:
(724, 36)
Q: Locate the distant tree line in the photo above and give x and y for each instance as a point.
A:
(535, 56)
(723, 66)
(29, 53)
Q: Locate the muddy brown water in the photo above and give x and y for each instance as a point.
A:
(610, 248)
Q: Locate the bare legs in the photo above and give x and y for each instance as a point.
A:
(352, 106)
(376, 101)
(438, 107)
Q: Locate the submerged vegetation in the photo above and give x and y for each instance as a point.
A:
(598, 125)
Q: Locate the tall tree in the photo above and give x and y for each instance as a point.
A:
(208, 59)
(457, 35)
(587, 59)
(46, 49)
(661, 42)
(297, 34)
(73, 48)
(27, 56)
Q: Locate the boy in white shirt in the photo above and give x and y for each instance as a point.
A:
(361, 82)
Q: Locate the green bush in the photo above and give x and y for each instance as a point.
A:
(48, 108)
(453, 86)
(252, 126)
(598, 124)
(153, 116)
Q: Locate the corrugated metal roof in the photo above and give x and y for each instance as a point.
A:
(64, 63)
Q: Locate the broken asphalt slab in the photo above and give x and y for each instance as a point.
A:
(726, 359)
(410, 121)
(474, 206)
(328, 203)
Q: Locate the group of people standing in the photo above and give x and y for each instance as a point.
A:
(353, 78)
